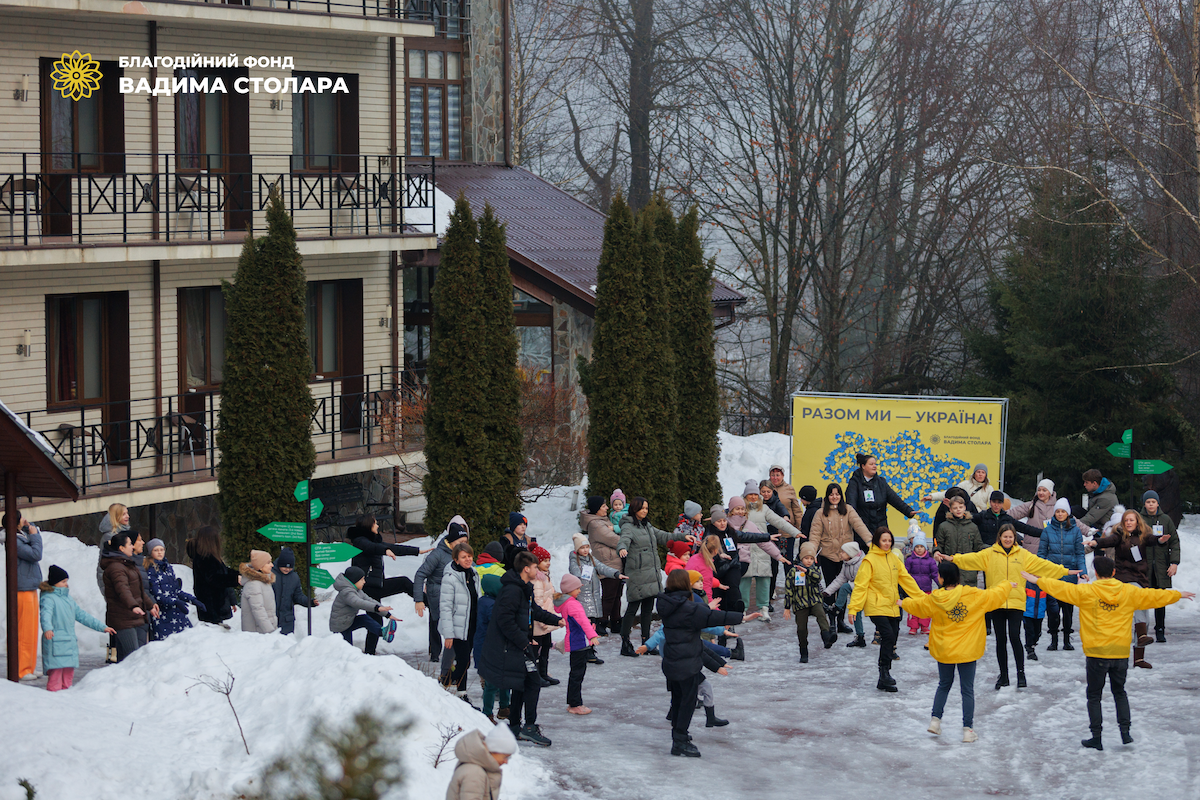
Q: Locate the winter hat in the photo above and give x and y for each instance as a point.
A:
(1063, 505)
(153, 543)
(287, 558)
(808, 549)
(490, 584)
(593, 504)
(691, 509)
(260, 560)
(516, 518)
(851, 549)
(920, 540)
(775, 467)
(694, 576)
(579, 541)
(455, 532)
(979, 467)
(495, 550)
(501, 740)
(354, 574)
(1150, 495)
(750, 488)
(717, 512)
(1046, 483)
(540, 553)
(997, 496)
(569, 583)
(56, 575)
(735, 501)
(808, 493)
(617, 495)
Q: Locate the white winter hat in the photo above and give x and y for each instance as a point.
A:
(919, 539)
(1046, 483)
(501, 740)
(1063, 505)
(851, 549)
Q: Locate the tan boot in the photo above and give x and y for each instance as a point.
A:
(1139, 658)
(1143, 638)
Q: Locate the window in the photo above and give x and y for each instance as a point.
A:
(435, 98)
(202, 337)
(75, 336)
(86, 134)
(324, 313)
(448, 16)
(535, 340)
(325, 126)
(418, 282)
(199, 126)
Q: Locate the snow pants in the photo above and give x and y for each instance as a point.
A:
(802, 616)
(1114, 670)
(27, 632)
(59, 679)
(966, 684)
(579, 662)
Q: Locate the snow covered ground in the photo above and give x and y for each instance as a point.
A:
(796, 729)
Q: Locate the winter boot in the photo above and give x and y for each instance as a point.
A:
(1093, 742)
(601, 630)
(1160, 635)
(828, 638)
(1053, 621)
(1143, 638)
(1067, 640)
(1053, 641)
(653, 652)
(533, 735)
(886, 683)
(804, 652)
(593, 658)
(683, 747)
(1139, 658)
(627, 648)
(857, 641)
(1001, 681)
(502, 712)
(1021, 684)
(876, 638)
(739, 651)
(842, 627)
(935, 726)
(713, 720)
(1125, 737)
(1030, 653)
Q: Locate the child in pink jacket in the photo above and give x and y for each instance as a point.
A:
(581, 638)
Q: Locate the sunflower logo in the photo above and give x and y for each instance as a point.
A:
(76, 75)
(958, 613)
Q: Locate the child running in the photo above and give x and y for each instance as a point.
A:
(804, 585)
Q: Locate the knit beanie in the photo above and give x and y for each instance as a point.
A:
(1046, 483)
(694, 576)
(354, 574)
(617, 495)
(1150, 495)
(501, 740)
(1063, 505)
(56, 575)
(287, 558)
(490, 584)
(808, 549)
(579, 541)
(808, 493)
(540, 553)
(717, 512)
(691, 509)
(851, 549)
(454, 533)
(920, 540)
(979, 467)
(516, 518)
(750, 488)
(495, 550)
(569, 583)
(153, 543)
(260, 560)
(735, 502)
(593, 504)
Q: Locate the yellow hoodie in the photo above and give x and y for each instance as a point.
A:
(958, 634)
(1002, 567)
(1106, 609)
(875, 585)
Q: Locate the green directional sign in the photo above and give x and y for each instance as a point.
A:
(1150, 466)
(285, 531)
(301, 492)
(315, 507)
(1127, 436)
(325, 553)
(1119, 449)
(320, 578)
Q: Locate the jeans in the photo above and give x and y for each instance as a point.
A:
(1115, 671)
(683, 705)
(379, 591)
(966, 684)
(642, 608)
(131, 639)
(843, 599)
(889, 632)
(525, 699)
(366, 622)
(579, 662)
(1008, 620)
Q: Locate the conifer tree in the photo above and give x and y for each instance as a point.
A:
(266, 406)
(497, 369)
(618, 431)
(456, 446)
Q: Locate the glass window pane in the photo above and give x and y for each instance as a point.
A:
(454, 122)
(435, 122)
(322, 121)
(454, 66)
(90, 333)
(416, 63)
(329, 298)
(213, 129)
(216, 336)
(533, 353)
(454, 9)
(187, 125)
(62, 131)
(435, 66)
(298, 105)
(194, 343)
(416, 121)
(88, 120)
(311, 313)
(62, 350)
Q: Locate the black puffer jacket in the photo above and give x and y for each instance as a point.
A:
(731, 537)
(870, 498)
(989, 524)
(510, 631)
(370, 560)
(683, 619)
(214, 584)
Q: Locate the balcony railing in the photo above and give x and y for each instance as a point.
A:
(87, 198)
(149, 442)
(450, 16)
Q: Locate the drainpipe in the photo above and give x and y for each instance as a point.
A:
(504, 87)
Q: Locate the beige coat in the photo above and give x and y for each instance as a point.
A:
(602, 538)
(543, 595)
(829, 533)
(258, 601)
(791, 501)
(477, 775)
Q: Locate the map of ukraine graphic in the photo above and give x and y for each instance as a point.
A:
(911, 468)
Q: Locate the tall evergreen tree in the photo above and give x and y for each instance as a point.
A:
(497, 368)
(618, 430)
(456, 446)
(266, 406)
(695, 364)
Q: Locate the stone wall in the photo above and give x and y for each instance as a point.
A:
(572, 338)
(483, 76)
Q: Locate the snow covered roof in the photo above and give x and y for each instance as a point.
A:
(26, 453)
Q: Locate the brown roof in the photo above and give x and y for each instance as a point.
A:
(30, 458)
(549, 231)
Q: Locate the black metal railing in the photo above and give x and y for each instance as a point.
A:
(450, 16)
(750, 424)
(155, 440)
(130, 197)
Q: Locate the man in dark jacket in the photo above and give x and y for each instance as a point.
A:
(289, 592)
(509, 659)
(364, 535)
(1162, 552)
(989, 521)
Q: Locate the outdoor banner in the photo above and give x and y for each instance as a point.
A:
(923, 444)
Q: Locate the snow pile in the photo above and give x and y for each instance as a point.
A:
(83, 742)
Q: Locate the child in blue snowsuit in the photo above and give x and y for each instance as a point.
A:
(167, 591)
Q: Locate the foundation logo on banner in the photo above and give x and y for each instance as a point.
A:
(76, 75)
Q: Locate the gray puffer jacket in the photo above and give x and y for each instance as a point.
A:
(591, 593)
(846, 576)
(427, 583)
(1100, 505)
(642, 565)
(455, 602)
(349, 601)
(29, 554)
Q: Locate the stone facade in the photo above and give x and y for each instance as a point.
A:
(484, 79)
(572, 338)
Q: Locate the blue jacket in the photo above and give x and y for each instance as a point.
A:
(289, 593)
(29, 553)
(1063, 545)
(172, 601)
(59, 613)
(483, 615)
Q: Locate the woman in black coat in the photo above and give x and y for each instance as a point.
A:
(683, 655)
(868, 493)
(364, 535)
(213, 583)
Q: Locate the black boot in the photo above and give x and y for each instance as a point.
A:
(1093, 742)
(601, 630)
(1001, 681)
(858, 641)
(886, 682)
(1053, 640)
(1125, 737)
(804, 652)
(739, 651)
(713, 720)
(1160, 635)
(681, 746)
(1021, 684)
(593, 658)
(1067, 640)
(1030, 653)
(842, 627)
(828, 637)
(627, 648)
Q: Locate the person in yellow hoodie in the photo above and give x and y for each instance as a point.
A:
(1002, 563)
(875, 591)
(957, 638)
(1105, 618)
